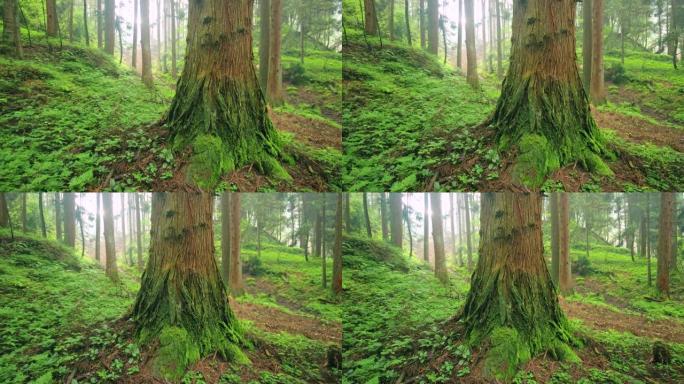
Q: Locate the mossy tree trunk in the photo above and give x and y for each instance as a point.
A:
(512, 301)
(438, 237)
(108, 227)
(69, 202)
(667, 209)
(543, 109)
(182, 300)
(396, 228)
(219, 109)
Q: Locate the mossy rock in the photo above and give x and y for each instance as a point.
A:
(176, 352)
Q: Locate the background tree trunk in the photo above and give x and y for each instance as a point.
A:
(11, 32)
(52, 20)
(275, 69)
(598, 92)
(225, 237)
(138, 232)
(236, 285)
(366, 216)
(426, 228)
(109, 25)
(555, 234)
(438, 238)
(100, 24)
(69, 219)
(4, 211)
(43, 230)
(337, 250)
(421, 23)
(667, 209)
(98, 219)
(85, 22)
(471, 54)
(433, 26)
(174, 70)
(371, 26)
(407, 18)
(390, 20)
(587, 44)
(499, 41)
(58, 218)
(383, 216)
(134, 53)
(396, 228)
(459, 47)
(145, 43)
(467, 230)
(264, 42)
(512, 300)
(565, 273)
(110, 246)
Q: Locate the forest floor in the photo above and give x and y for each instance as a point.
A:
(63, 319)
(411, 123)
(397, 323)
(75, 119)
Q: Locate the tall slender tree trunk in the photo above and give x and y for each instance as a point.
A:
(499, 41)
(471, 54)
(390, 21)
(58, 218)
(122, 214)
(383, 216)
(138, 232)
(275, 69)
(174, 70)
(11, 32)
(366, 216)
(648, 238)
(543, 110)
(264, 42)
(370, 19)
(85, 22)
(69, 219)
(110, 246)
(100, 24)
(52, 21)
(24, 218)
(667, 209)
(318, 231)
(407, 218)
(109, 25)
(555, 237)
(512, 301)
(460, 230)
(4, 211)
(587, 44)
(158, 27)
(598, 92)
(396, 228)
(41, 209)
(467, 232)
(199, 321)
(226, 234)
(98, 220)
(222, 111)
(407, 19)
(347, 212)
(321, 235)
(236, 285)
(337, 250)
(421, 23)
(565, 272)
(134, 52)
(438, 238)
(459, 49)
(426, 228)
(70, 21)
(484, 35)
(433, 26)
(145, 43)
(451, 218)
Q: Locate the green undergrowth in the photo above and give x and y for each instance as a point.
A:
(49, 297)
(615, 282)
(294, 285)
(386, 309)
(400, 106)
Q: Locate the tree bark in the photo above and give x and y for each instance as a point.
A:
(383, 216)
(11, 32)
(321, 239)
(598, 93)
(58, 218)
(484, 36)
(471, 54)
(370, 24)
(587, 44)
(110, 246)
(219, 109)
(512, 301)
(138, 232)
(453, 231)
(69, 219)
(390, 20)
(667, 209)
(499, 42)
(426, 228)
(52, 20)
(467, 231)
(543, 110)
(421, 23)
(555, 237)
(134, 52)
(366, 216)
(41, 210)
(438, 238)
(145, 43)
(182, 300)
(100, 25)
(109, 25)
(565, 273)
(347, 212)
(24, 218)
(122, 214)
(275, 69)
(225, 236)
(4, 211)
(264, 42)
(236, 285)
(85, 22)
(459, 49)
(408, 22)
(396, 228)
(433, 26)
(98, 219)
(337, 250)
(174, 70)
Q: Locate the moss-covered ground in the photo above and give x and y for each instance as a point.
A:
(396, 323)
(75, 119)
(63, 320)
(412, 123)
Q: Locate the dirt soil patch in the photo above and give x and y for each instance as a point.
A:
(637, 130)
(598, 317)
(274, 320)
(313, 132)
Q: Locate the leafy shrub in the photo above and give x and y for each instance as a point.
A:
(295, 74)
(617, 74)
(582, 266)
